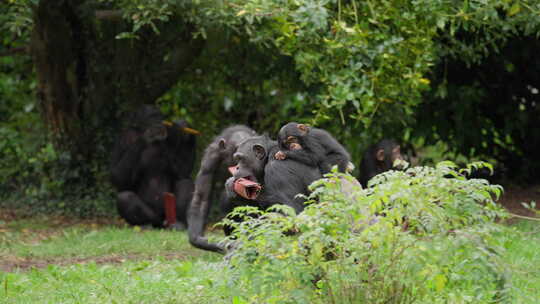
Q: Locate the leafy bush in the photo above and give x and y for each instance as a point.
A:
(419, 235)
(40, 179)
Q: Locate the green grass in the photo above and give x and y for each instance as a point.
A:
(158, 266)
(89, 263)
(158, 281)
(38, 239)
(522, 244)
(39, 223)
(76, 242)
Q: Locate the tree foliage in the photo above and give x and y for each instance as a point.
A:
(366, 58)
(415, 237)
(414, 70)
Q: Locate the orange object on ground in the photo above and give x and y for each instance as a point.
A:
(169, 200)
(246, 188)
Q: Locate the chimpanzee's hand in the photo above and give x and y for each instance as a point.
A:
(229, 187)
(279, 155)
(155, 133)
(295, 146)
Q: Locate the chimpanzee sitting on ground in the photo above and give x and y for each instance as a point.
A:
(378, 158)
(312, 147)
(152, 160)
(218, 156)
(282, 180)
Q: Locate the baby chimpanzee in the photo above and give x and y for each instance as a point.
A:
(312, 147)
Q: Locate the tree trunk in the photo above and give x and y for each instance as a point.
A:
(84, 73)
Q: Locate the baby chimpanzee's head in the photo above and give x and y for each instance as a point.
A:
(291, 136)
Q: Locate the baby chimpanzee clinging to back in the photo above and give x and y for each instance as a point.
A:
(311, 146)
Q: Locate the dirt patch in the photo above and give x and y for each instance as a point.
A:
(514, 196)
(16, 226)
(59, 221)
(7, 215)
(12, 263)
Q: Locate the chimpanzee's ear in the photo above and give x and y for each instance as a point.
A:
(259, 151)
(379, 155)
(222, 144)
(303, 128)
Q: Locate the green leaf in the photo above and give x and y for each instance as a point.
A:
(441, 22)
(514, 9)
(440, 282)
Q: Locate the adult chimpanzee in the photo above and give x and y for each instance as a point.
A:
(312, 147)
(218, 156)
(254, 161)
(378, 158)
(282, 180)
(152, 160)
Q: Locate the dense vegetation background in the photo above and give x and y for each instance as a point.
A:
(462, 76)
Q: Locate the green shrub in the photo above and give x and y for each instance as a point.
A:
(36, 175)
(40, 179)
(417, 236)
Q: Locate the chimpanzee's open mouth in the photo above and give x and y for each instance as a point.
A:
(247, 188)
(252, 191)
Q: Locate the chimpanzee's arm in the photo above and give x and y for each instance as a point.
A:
(229, 189)
(200, 204)
(125, 160)
(302, 156)
(181, 150)
(190, 155)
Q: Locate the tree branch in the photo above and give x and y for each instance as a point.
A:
(109, 14)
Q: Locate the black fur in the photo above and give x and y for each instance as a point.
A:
(145, 165)
(282, 180)
(218, 156)
(371, 166)
(319, 148)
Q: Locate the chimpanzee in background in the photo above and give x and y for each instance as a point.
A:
(218, 157)
(150, 158)
(312, 147)
(378, 158)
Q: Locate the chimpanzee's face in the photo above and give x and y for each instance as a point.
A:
(250, 157)
(396, 154)
(290, 137)
(292, 143)
(387, 154)
(156, 132)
